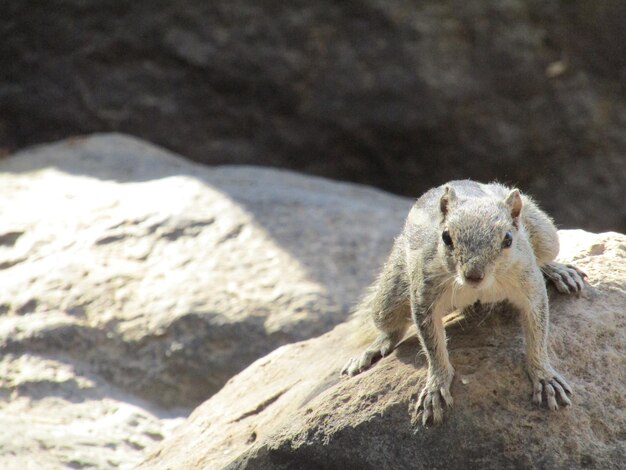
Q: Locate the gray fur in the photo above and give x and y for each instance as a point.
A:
(424, 279)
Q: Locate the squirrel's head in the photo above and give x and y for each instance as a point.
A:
(478, 235)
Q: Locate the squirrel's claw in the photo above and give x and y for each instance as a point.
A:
(567, 279)
(361, 362)
(381, 347)
(433, 398)
(556, 390)
(430, 404)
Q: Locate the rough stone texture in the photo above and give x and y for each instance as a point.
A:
(168, 277)
(290, 409)
(397, 93)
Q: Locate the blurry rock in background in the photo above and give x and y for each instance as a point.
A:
(136, 283)
(403, 95)
(170, 277)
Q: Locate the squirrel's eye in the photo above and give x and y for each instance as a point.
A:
(508, 240)
(445, 236)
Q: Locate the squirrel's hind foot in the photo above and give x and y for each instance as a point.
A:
(567, 278)
(381, 347)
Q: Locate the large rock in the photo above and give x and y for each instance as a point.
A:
(401, 94)
(290, 409)
(170, 277)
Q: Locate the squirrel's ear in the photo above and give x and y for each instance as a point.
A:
(514, 202)
(449, 196)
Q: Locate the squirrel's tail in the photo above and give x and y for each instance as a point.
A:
(385, 306)
(363, 331)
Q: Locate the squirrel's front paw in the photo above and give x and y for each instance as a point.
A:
(435, 395)
(550, 388)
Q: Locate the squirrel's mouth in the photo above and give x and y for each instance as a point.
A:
(475, 280)
(472, 282)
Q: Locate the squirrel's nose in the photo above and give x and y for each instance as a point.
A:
(474, 275)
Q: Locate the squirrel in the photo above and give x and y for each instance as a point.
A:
(465, 242)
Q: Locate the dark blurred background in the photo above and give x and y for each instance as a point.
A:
(398, 94)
